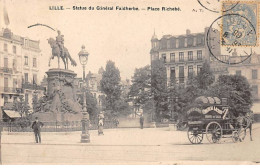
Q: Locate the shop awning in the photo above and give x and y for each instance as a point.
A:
(12, 114)
(256, 108)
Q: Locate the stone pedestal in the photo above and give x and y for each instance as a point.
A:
(62, 92)
(61, 79)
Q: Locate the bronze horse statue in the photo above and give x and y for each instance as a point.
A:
(56, 51)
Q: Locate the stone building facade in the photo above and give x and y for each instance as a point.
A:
(183, 55)
(19, 62)
(249, 69)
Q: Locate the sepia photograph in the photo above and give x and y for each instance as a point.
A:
(129, 82)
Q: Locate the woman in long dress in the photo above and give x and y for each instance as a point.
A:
(100, 123)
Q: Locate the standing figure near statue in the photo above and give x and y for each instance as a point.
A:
(142, 121)
(36, 126)
(100, 123)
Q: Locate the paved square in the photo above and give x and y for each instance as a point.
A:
(126, 146)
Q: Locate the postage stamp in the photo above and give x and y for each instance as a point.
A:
(241, 26)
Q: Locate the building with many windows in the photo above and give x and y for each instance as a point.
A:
(183, 55)
(93, 85)
(249, 69)
(18, 68)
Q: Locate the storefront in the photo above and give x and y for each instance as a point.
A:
(9, 115)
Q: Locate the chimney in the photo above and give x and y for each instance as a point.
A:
(187, 32)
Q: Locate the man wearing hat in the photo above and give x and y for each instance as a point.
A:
(36, 126)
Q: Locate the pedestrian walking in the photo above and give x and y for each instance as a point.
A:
(116, 122)
(100, 123)
(36, 126)
(142, 121)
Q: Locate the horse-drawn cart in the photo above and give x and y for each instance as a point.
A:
(210, 117)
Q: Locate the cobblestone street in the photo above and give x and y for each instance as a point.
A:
(126, 146)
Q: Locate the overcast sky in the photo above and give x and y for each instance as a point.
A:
(121, 36)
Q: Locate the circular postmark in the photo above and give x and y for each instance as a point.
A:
(215, 5)
(227, 41)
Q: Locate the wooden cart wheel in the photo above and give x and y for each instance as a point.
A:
(195, 137)
(214, 132)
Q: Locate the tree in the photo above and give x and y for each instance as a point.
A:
(181, 97)
(34, 102)
(21, 106)
(91, 102)
(110, 85)
(140, 90)
(159, 89)
(205, 77)
(122, 108)
(236, 89)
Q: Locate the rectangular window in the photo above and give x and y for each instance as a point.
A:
(190, 55)
(172, 57)
(5, 82)
(14, 64)
(5, 100)
(199, 67)
(255, 90)
(181, 74)
(199, 54)
(181, 56)
(14, 49)
(5, 48)
(190, 71)
(26, 97)
(173, 74)
(26, 77)
(254, 74)
(34, 62)
(15, 99)
(6, 62)
(34, 78)
(26, 60)
(181, 42)
(14, 83)
(238, 72)
(164, 58)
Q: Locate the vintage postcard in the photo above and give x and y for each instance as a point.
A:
(129, 82)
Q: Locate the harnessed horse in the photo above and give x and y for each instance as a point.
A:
(246, 122)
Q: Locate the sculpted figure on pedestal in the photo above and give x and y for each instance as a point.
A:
(60, 51)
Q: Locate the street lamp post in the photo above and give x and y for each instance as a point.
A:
(85, 137)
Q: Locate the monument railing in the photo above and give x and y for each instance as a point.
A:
(67, 126)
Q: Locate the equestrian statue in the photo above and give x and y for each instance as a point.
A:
(60, 51)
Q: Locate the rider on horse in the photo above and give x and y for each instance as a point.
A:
(60, 42)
